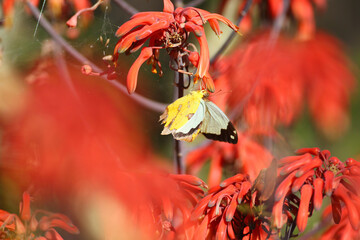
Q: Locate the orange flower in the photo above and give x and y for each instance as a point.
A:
(231, 211)
(56, 7)
(316, 174)
(167, 30)
(28, 225)
(301, 10)
(239, 156)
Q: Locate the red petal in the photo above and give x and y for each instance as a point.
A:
(229, 190)
(215, 172)
(194, 58)
(312, 151)
(53, 235)
(300, 181)
(232, 208)
(25, 213)
(341, 192)
(202, 230)
(303, 213)
(336, 209)
(204, 61)
(221, 232)
(295, 165)
(315, 163)
(237, 178)
(190, 179)
(209, 82)
(199, 209)
(168, 208)
(168, 6)
(196, 29)
(230, 231)
(291, 159)
(329, 179)
(284, 187)
(132, 76)
(277, 213)
(244, 189)
(127, 26)
(318, 192)
(221, 18)
(214, 24)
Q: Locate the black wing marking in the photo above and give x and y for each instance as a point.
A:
(226, 135)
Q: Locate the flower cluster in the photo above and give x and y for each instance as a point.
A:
(342, 230)
(237, 157)
(57, 8)
(316, 174)
(268, 91)
(231, 210)
(167, 30)
(37, 225)
(301, 10)
(166, 203)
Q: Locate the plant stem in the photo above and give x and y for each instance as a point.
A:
(127, 7)
(226, 44)
(179, 78)
(279, 21)
(194, 3)
(64, 72)
(150, 104)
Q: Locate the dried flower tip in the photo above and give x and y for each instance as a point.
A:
(108, 58)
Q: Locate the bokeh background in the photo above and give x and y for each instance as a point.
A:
(62, 133)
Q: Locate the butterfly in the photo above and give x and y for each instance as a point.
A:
(193, 114)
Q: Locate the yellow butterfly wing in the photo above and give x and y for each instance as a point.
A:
(183, 117)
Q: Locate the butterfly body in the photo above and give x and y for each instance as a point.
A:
(193, 114)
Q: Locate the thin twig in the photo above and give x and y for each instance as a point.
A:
(279, 22)
(127, 7)
(150, 104)
(194, 3)
(179, 3)
(226, 44)
(72, 22)
(63, 70)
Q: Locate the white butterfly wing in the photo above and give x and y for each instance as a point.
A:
(216, 124)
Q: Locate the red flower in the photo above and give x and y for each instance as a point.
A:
(315, 174)
(269, 84)
(329, 82)
(239, 156)
(301, 10)
(265, 84)
(343, 230)
(231, 210)
(28, 225)
(166, 30)
(165, 204)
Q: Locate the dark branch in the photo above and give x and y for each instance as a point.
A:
(150, 104)
(279, 21)
(63, 70)
(233, 34)
(194, 3)
(179, 79)
(127, 7)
